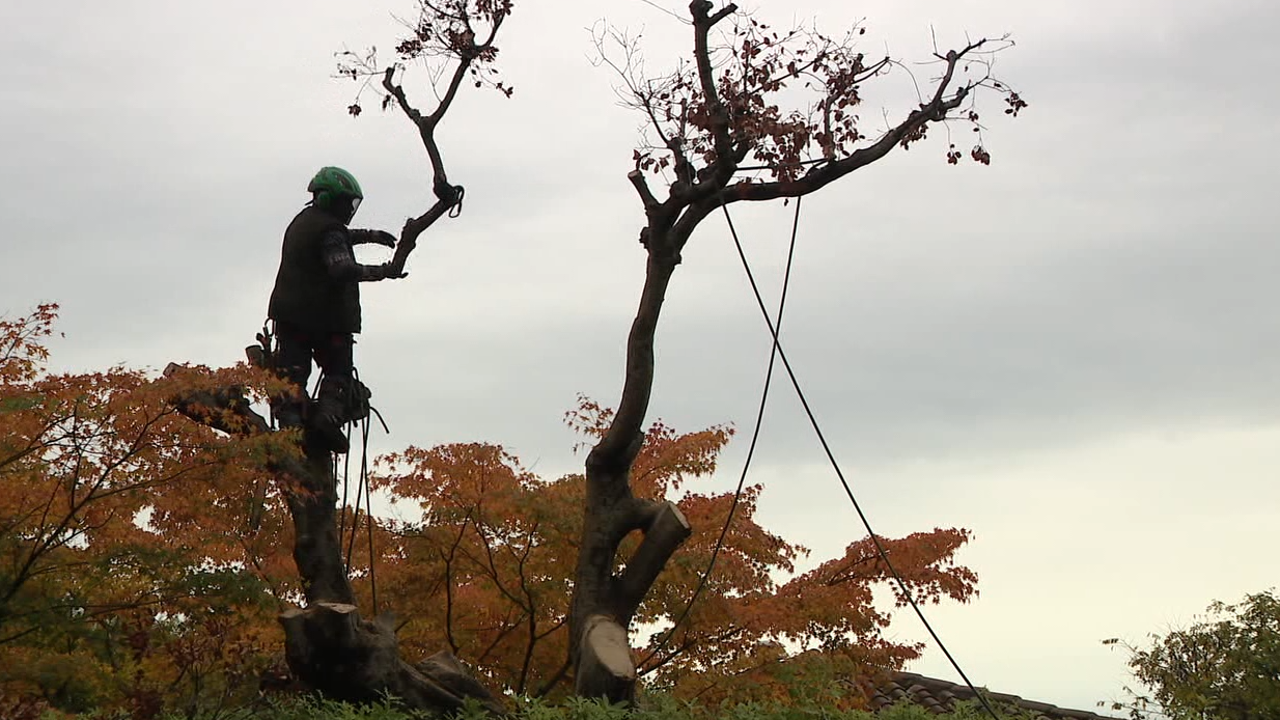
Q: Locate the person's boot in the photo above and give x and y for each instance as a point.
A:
(328, 415)
(289, 409)
(289, 414)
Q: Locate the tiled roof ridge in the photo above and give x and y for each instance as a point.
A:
(939, 696)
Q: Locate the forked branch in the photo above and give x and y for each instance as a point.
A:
(945, 99)
(443, 30)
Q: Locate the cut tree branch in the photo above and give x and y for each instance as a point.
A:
(642, 188)
(606, 668)
(664, 535)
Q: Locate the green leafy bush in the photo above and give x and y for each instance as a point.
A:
(652, 706)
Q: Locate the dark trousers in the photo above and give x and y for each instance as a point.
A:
(295, 348)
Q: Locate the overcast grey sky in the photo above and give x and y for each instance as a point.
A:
(1072, 352)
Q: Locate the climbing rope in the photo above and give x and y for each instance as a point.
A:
(343, 469)
(342, 516)
(368, 511)
(355, 515)
(363, 492)
(875, 539)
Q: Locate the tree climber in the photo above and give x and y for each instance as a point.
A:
(316, 305)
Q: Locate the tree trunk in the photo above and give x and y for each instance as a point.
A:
(328, 645)
(605, 599)
(317, 551)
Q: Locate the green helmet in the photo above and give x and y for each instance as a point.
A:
(332, 184)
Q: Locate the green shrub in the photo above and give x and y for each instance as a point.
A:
(650, 706)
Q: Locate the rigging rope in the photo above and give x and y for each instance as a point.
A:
(884, 555)
(751, 449)
(346, 485)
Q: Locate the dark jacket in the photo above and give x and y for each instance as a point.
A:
(307, 295)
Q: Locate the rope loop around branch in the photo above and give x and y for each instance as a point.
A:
(459, 193)
(449, 194)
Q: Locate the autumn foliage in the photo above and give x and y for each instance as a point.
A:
(143, 557)
(127, 575)
(485, 573)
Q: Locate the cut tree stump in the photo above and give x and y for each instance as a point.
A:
(605, 665)
(328, 646)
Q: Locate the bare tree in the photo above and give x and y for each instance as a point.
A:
(708, 118)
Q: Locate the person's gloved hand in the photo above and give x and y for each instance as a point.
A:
(389, 272)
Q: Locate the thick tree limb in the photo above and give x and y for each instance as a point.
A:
(642, 188)
(664, 535)
(689, 219)
(621, 442)
(225, 410)
(414, 227)
(447, 670)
